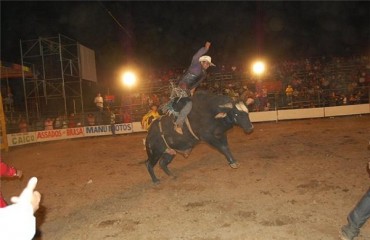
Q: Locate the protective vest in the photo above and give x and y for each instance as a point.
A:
(190, 80)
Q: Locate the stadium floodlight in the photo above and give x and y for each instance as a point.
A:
(258, 68)
(129, 79)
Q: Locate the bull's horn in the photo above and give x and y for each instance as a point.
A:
(226, 105)
(220, 115)
(241, 107)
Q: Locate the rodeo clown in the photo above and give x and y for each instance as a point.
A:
(148, 118)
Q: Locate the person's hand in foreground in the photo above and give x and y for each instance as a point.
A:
(17, 220)
(29, 195)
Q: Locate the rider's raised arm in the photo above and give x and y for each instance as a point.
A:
(201, 52)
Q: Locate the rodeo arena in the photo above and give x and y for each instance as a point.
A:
(279, 153)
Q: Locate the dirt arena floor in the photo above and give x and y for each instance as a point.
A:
(297, 180)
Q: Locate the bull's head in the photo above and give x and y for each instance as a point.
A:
(238, 113)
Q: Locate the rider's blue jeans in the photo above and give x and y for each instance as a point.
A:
(184, 113)
(358, 217)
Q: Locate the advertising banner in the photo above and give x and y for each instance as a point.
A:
(16, 139)
(102, 130)
(59, 134)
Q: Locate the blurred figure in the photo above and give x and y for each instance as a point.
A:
(150, 117)
(71, 121)
(126, 116)
(65, 122)
(90, 119)
(23, 126)
(48, 124)
(39, 125)
(9, 102)
(357, 217)
(17, 221)
(99, 103)
(7, 171)
(289, 94)
(58, 123)
(112, 121)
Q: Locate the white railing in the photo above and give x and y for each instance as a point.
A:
(17, 139)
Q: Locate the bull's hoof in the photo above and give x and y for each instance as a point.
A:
(234, 165)
(170, 151)
(156, 182)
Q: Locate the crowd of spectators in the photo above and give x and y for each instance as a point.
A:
(306, 83)
(318, 82)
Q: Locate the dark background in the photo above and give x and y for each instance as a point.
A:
(160, 34)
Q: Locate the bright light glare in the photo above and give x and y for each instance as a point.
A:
(129, 79)
(258, 67)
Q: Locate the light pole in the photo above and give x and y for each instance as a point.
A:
(128, 79)
(258, 69)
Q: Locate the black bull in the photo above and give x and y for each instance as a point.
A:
(210, 118)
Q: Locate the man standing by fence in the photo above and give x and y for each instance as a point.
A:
(99, 103)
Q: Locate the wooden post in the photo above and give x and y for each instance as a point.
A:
(4, 139)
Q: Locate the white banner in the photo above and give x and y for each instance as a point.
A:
(59, 134)
(16, 139)
(102, 130)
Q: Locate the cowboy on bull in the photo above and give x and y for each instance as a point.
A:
(192, 78)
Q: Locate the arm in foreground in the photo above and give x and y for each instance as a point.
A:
(17, 220)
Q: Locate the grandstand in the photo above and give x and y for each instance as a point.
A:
(319, 82)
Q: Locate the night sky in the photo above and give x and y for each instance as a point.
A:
(159, 34)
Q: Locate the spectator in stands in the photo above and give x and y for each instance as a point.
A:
(48, 124)
(90, 119)
(358, 216)
(112, 120)
(9, 101)
(263, 98)
(352, 99)
(164, 98)
(23, 126)
(246, 93)
(267, 107)
(126, 116)
(99, 103)
(362, 78)
(39, 125)
(257, 102)
(155, 99)
(58, 123)
(65, 122)
(289, 94)
(7, 171)
(71, 121)
(17, 220)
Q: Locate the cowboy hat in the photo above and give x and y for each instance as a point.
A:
(206, 59)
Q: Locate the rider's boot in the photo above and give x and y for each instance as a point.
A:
(178, 129)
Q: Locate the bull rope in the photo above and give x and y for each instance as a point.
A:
(190, 129)
(169, 150)
(168, 109)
